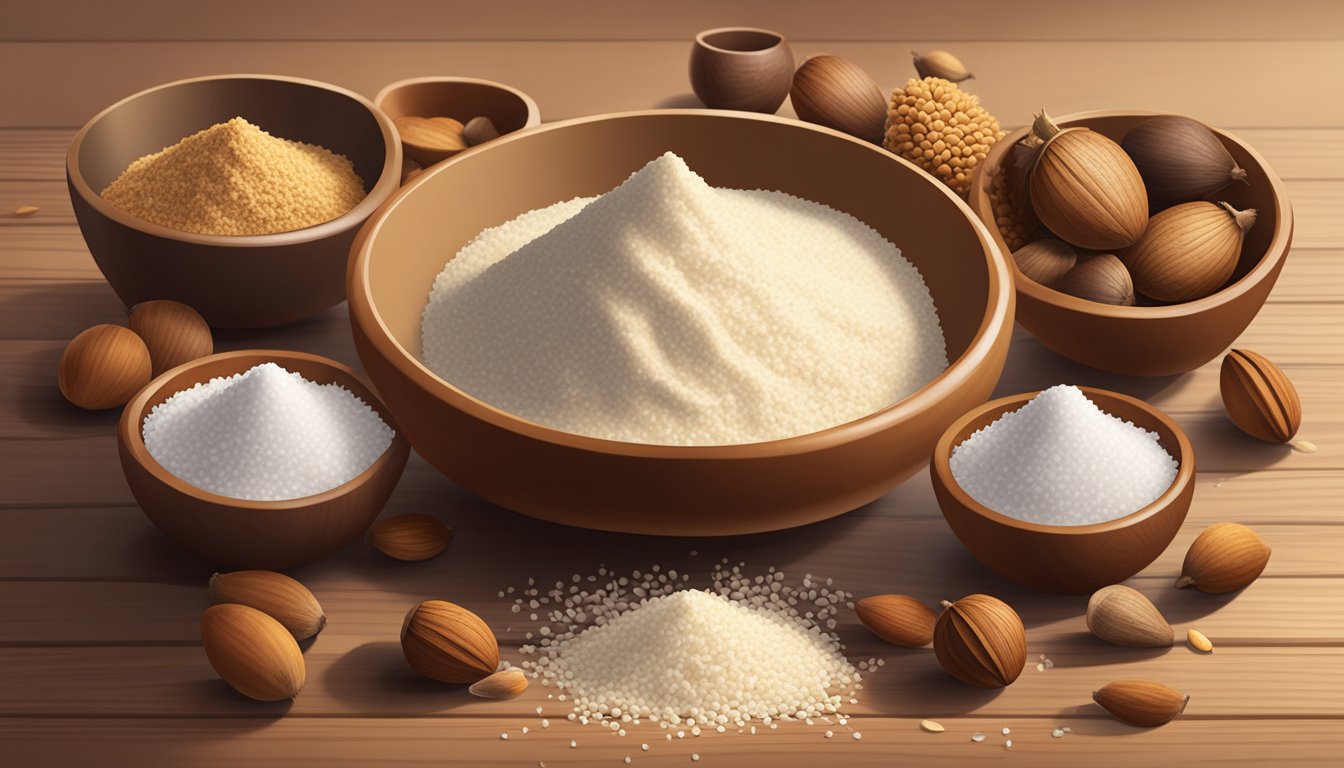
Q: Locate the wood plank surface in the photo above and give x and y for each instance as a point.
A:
(577, 78)
(274, 740)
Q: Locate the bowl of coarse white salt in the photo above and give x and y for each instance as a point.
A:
(684, 322)
(1065, 490)
(260, 458)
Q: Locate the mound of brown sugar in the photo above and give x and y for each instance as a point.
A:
(235, 179)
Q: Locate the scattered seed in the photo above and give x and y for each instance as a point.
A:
(545, 723)
(1058, 733)
(978, 737)
(1007, 730)
(573, 743)
(829, 734)
(26, 210)
(628, 760)
(932, 726)
(644, 747)
(857, 736)
(524, 729)
(1198, 641)
(1008, 744)
(695, 757)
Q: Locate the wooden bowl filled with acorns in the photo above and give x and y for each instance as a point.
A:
(1144, 243)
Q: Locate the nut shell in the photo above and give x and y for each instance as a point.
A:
(898, 619)
(504, 684)
(1223, 558)
(103, 367)
(1259, 397)
(940, 64)
(1188, 251)
(274, 594)
(1125, 617)
(1085, 189)
(449, 643)
(173, 332)
(980, 641)
(837, 93)
(411, 537)
(1103, 279)
(252, 652)
(1141, 703)
(1046, 261)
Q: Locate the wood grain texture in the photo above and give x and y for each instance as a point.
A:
(578, 78)
(613, 19)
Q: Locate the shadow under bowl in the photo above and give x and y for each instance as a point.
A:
(246, 281)
(245, 533)
(1153, 340)
(460, 98)
(657, 489)
(1066, 559)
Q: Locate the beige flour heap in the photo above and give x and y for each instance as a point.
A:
(671, 312)
(236, 179)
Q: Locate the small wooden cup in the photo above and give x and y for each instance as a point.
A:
(1066, 559)
(255, 534)
(461, 98)
(741, 68)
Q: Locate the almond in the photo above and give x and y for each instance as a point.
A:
(1123, 616)
(504, 684)
(447, 642)
(898, 619)
(274, 594)
(1141, 703)
(411, 537)
(1259, 397)
(252, 652)
(1223, 558)
(1198, 641)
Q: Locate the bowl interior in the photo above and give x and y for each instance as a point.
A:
(447, 206)
(315, 368)
(459, 99)
(1130, 409)
(1261, 192)
(298, 111)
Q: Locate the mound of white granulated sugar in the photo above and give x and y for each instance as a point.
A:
(648, 648)
(671, 312)
(1061, 460)
(266, 434)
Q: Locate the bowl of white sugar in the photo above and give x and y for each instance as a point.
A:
(1065, 490)
(682, 322)
(260, 458)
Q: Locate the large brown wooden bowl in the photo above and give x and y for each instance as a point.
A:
(1066, 559)
(674, 490)
(1153, 340)
(245, 533)
(247, 281)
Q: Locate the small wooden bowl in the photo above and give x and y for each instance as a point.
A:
(741, 68)
(460, 98)
(659, 489)
(255, 534)
(1154, 340)
(1066, 559)
(247, 281)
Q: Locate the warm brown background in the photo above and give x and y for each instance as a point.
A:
(99, 655)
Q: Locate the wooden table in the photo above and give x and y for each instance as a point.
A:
(100, 660)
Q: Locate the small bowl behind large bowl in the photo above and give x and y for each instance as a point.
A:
(245, 533)
(674, 490)
(460, 98)
(1153, 340)
(250, 281)
(1066, 559)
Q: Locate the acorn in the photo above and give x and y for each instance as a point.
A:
(173, 332)
(1180, 160)
(1224, 558)
(1188, 251)
(449, 643)
(1259, 397)
(980, 641)
(1045, 261)
(103, 367)
(1103, 279)
(1085, 188)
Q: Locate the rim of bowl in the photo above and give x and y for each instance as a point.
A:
(533, 113)
(383, 187)
(130, 426)
(700, 39)
(1275, 252)
(997, 314)
(1185, 470)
